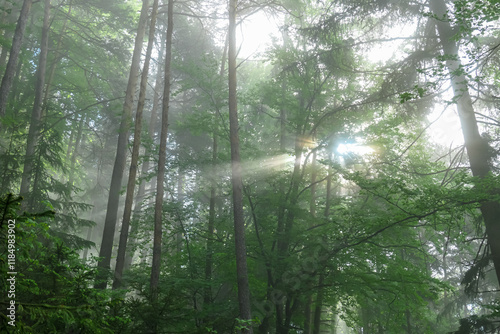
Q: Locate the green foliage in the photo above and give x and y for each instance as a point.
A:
(388, 243)
(52, 292)
(479, 324)
(245, 324)
(407, 96)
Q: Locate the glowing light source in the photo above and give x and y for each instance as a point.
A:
(257, 32)
(342, 149)
(355, 148)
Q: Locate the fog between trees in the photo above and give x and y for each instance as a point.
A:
(155, 178)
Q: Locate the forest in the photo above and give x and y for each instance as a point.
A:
(250, 166)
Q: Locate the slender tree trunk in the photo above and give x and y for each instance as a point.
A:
(319, 296)
(162, 157)
(36, 114)
(145, 166)
(7, 34)
(52, 70)
(285, 224)
(129, 197)
(207, 297)
(70, 144)
(280, 227)
(314, 174)
(312, 210)
(307, 314)
(180, 187)
(319, 305)
(237, 181)
(89, 237)
(294, 189)
(283, 124)
(121, 156)
(43, 105)
(328, 188)
(477, 148)
(180, 199)
(75, 150)
(98, 189)
(14, 55)
(3, 58)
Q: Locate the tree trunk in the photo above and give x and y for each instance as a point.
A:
(57, 57)
(97, 192)
(314, 174)
(312, 211)
(7, 18)
(319, 305)
(129, 197)
(319, 296)
(180, 199)
(207, 297)
(237, 181)
(477, 148)
(307, 314)
(283, 124)
(70, 144)
(36, 114)
(145, 166)
(75, 150)
(121, 156)
(280, 228)
(14, 55)
(162, 157)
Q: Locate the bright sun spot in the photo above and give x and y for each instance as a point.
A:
(256, 34)
(445, 129)
(355, 148)
(342, 149)
(382, 52)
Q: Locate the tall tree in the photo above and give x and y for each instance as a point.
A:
(236, 177)
(121, 155)
(207, 296)
(129, 197)
(36, 114)
(320, 294)
(162, 157)
(75, 149)
(146, 164)
(477, 147)
(14, 55)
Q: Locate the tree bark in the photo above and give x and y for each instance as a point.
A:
(13, 56)
(129, 197)
(180, 199)
(155, 268)
(75, 150)
(477, 148)
(121, 156)
(207, 296)
(319, 305)
(237, 181)
(145, 166)
(36, 114)
(7, 18)
(312, 210)
(314, 174)
(57, 57)
(320, 294)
